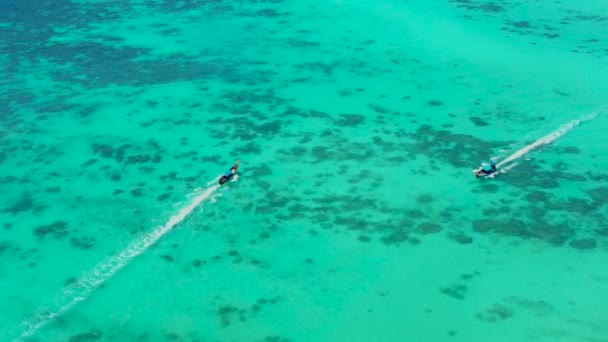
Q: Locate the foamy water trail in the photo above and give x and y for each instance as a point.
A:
(82, 288)
(547, 139)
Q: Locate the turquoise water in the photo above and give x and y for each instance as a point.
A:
(355, 215)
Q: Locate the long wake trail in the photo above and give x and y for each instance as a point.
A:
(82, 289)
(547, 139)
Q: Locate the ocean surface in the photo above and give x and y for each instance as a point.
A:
(355, 214)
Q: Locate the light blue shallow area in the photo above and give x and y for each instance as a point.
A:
(354, 216)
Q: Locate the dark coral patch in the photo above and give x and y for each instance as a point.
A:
(83, 242)
(415, 213)
(576, 205)
(143, 158)
(269, 128)
(275, 339)
(295, 151)
(460, 238)
(472, 5)
(428, 228)
(93, 335)
(168, 258)
(425, 199)
(547, 183)
(456, 291)
(163, 197)
(602, 232)
(58, 230)
(225, 313)
(353, 151)
(4, 247)
(377, 108)
(486, 225)
(347, 120)
(137, 192)
(173, 337)
(364, 238)
(259, 171)
(497, 312)
(553, 234)
(105, 151)
(6, 179)
(538, 196)
(352, 223)
(250, 148)
(532, 175)
(69, 281)
(24, 203)
(435, 103)
(115, 176)
(478, 121)
(396, 236)
(520, 24)
(455, 149)
(599, 195)
(583, 244)
(93, 60)
(129, 153)
(571, 150)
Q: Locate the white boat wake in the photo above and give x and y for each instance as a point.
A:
(506, 164)
(82, 288)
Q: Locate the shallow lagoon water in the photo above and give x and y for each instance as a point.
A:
(355, 217)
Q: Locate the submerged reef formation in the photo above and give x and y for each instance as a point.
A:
(104, 133)
(228, 314)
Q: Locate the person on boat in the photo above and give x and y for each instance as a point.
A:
(486, 170)
(234, 167)
(229, 173)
